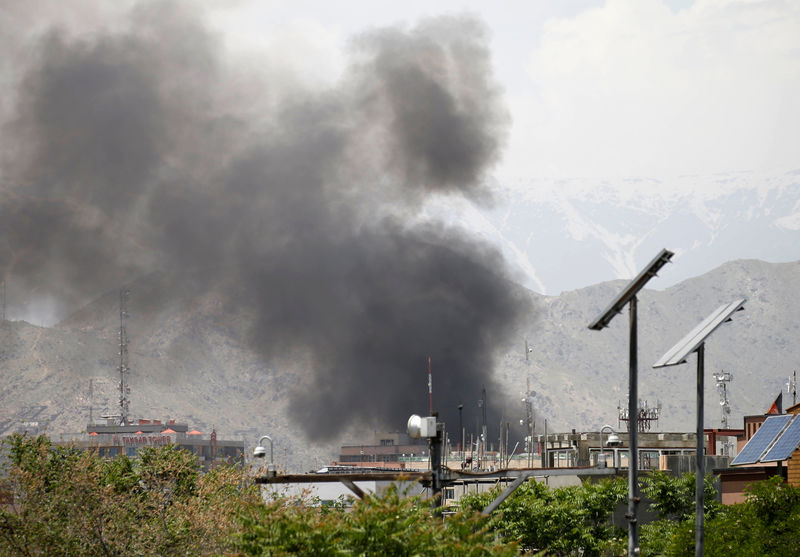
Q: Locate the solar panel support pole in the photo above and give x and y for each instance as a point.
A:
(633, 434)
(628, 296)
(695, 342)
(700, 472)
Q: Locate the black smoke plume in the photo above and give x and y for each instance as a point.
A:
(134, 151)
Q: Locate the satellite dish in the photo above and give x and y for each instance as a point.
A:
(414, 426)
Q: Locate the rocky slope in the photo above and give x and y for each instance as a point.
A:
(189, 360)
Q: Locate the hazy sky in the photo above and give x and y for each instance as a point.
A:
(614, 88)
(598, 89)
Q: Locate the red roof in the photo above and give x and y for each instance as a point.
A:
(93, 433)
(169, 430)
(195, 432)
(139, 433)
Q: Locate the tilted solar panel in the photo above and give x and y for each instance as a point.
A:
(786, 444)
(759, 442)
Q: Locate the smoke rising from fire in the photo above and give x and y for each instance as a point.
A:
(137, 150)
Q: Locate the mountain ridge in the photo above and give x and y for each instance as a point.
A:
(190, 360)
(563, 234)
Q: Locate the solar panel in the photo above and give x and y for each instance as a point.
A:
(785, 445)
(697, 336)
(762, 439)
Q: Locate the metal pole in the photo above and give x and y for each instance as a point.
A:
(602, 463)
(529, 412)
(271, 470)
(436, 466)
(633, 425)
(700, 460)
(545, 462)
(461, 433)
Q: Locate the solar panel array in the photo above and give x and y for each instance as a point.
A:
(763, 438)
(785, 445)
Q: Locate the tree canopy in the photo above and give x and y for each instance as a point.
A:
(60, 501)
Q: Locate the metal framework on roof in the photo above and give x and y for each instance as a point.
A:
(515, 477)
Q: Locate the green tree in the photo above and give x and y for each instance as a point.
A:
(71, 502)
(558, 521)
(674, 497)
(766, 524)
(386, 524)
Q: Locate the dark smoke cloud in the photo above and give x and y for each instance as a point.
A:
(132, 158)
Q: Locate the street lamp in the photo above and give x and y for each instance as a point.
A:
(613, 441)
(261, 452)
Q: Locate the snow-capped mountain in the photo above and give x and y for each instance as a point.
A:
(559, 235)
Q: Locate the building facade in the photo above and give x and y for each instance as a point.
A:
(111, 439)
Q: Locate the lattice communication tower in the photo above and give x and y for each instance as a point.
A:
(124, 369)
(723, 378)
(646, 418)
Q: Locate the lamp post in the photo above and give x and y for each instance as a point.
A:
(261, 452)
(613, 441)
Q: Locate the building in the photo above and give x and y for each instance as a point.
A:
(111, 439)
(556, 450)
(387, 450)
(757, 461)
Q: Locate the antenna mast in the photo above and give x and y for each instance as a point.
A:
(644, 419)
(430, 387)
(723, 378)
(482, 404)
(124, 389)
(527, 400)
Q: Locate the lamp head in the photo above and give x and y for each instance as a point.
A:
(259, 452)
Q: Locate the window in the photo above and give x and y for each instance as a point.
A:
(387, 442)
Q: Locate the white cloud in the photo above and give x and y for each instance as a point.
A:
(633, 88)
